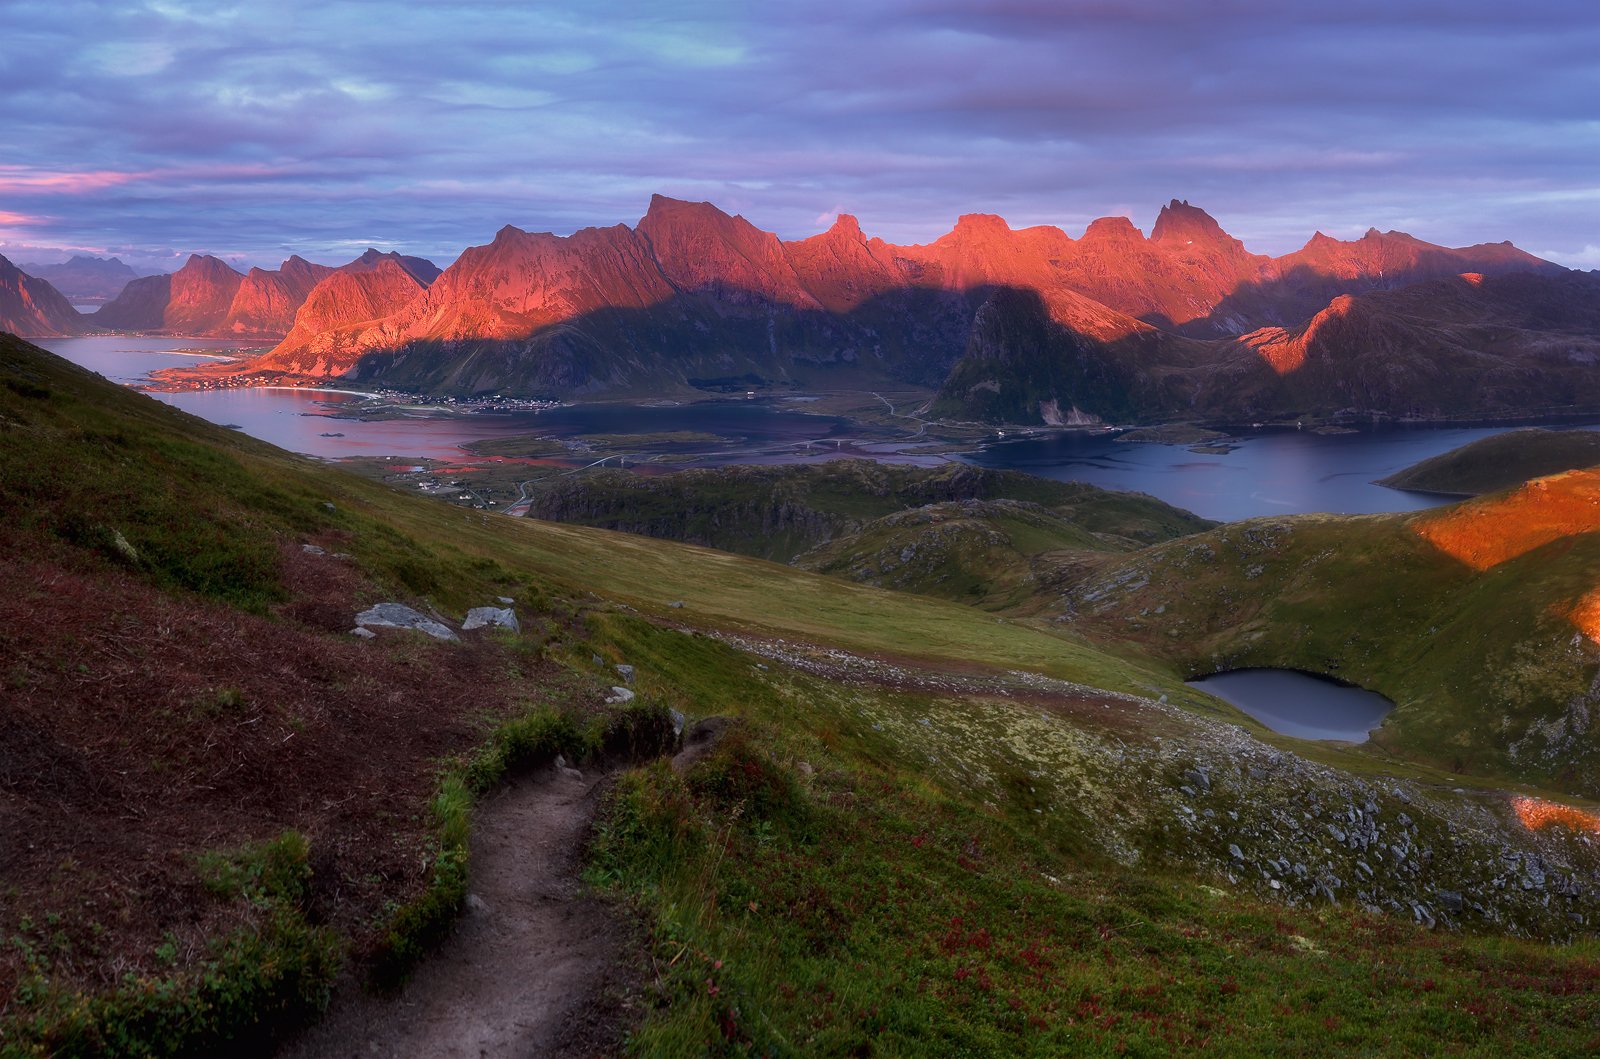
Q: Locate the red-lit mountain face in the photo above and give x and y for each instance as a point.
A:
(30, 306)
(206, 298)
(1015, 325)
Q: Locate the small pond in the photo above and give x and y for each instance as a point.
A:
(1300, 704)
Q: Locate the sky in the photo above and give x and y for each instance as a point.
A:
(154, 129)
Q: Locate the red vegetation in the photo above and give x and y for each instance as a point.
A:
(1537, 814)
(141, 729)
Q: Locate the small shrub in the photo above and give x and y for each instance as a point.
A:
(277, 870)
(639, 731)
(739, 772)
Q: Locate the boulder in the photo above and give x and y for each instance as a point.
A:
(618, 696)
(400, 616)
(626, 672)
(491, 617)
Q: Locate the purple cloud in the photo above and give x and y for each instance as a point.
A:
(252, 131)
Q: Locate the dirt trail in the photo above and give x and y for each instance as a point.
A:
(532, 968)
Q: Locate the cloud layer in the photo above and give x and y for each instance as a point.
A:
(256, 130)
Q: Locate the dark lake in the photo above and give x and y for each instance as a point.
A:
(1278, 472)
(1300, 704)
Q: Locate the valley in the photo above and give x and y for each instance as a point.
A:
(1119, 861)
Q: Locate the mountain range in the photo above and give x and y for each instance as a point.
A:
(85, 278)
(1006, 325)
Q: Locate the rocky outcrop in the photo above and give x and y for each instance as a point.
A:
(31, 307)
(340, 318)
(267, 301)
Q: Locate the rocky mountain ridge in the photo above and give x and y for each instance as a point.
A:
(208, 298)
(1012, 325)
(31, 306)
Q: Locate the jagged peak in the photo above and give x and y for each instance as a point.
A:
(509, 231)
(1181, 222)
(846, 224)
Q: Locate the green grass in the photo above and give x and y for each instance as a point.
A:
(255, 983)
(861, 870)
(1474, 661)
(1500, 461)
(981, 553)
(780, 512)
(859, 907)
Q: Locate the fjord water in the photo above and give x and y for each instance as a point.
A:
(303, 420)
(1281, 472)
(1270, 472)
(1300, 704)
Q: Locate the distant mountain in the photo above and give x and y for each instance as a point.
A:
(31, 307)
(208, 298)
(85, 279)
(1011, 325)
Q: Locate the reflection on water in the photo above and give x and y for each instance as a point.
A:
(1269, 473)
(1280, 472)
(1299, 704)
(297, 419)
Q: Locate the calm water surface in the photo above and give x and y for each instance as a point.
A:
(1269, 473)
(1281, 472)
(1300, 704)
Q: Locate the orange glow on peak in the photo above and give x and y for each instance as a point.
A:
(1536, 814)
(1474, 278)
(1283, 351)
(1486, 533)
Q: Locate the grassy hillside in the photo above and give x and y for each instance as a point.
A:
(780, 512)
(985, 553)
(936, 830)
(1471, 619)
(1501, 461)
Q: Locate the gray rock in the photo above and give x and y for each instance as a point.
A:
(506, 600)
(678, 720)
(676, 604)
(1235, 852)
(364, 633)
(626, 672)
(1198, 778)
(312, 549)
(476, 905)
(1452, 902)
(491, 617)
(597, 660)
(618, 696)
(399, 616)
(124, 549)
(329, 505)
